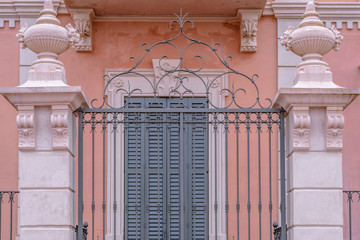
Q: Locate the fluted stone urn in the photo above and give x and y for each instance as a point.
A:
(311, 41)
(48, 39)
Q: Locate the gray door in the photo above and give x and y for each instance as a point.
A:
(166, 170)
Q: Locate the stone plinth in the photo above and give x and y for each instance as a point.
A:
(314, 127)
(47, 133)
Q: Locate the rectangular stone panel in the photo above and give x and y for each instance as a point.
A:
(47, 208)
(315, 207)
(58, 233)
(315, 170)
(44, 169)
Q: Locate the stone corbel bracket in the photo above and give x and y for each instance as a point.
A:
(60, 127)
(301, 129)
(249, 21)
(334, 128)
(26, 127)
(83, 18)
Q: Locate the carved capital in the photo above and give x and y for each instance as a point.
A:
(83, 24)
(301, 128)
(249, 21)
(165, 77)
(26, 127)
(59, 128)
(334, 127)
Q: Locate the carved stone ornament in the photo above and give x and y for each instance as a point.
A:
(165, 79)
(59, 124)
(48, 39)
(249, 21)
(334, 128)
(26, 128)
(301, 129)
(83, 24)
(311, 41)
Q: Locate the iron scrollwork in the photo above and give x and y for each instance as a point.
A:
(182, 71)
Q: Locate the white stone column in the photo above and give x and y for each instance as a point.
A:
(46, 130)
(315, 123)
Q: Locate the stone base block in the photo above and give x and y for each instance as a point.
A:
(315, 233)
(315, 170)
(38, 233)
(46, 170)
(315, 207)
(47, 208)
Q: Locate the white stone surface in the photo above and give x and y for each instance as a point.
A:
(312, 170)
(286, 58)
(53, 233)
(47, 207)
(43, 128)
(317, 129)
(46, 169)
(286, 77)
(315, 207)
(315, 233)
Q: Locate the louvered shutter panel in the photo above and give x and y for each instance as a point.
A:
(134, 175)
(197, 154)
(155, 186)
(174, 177)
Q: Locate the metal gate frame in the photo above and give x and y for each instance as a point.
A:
(110, 115)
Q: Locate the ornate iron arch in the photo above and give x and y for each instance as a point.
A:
(183, 88)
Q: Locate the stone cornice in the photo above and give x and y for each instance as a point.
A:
(315, 97)
(13, 10)
(74, 97)
(330, 12)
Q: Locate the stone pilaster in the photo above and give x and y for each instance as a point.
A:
(46, 128)
(315, 123)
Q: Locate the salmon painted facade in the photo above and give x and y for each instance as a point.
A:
(225, 120)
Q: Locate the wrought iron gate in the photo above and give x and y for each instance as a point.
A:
(176, 165)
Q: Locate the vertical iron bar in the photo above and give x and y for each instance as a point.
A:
(226, 176)
(181, 166)
(104, 165)
(80, 175)
(350, 223)
(93, 175)
(282, 176)
(248, 122)
(1, 196)
(237, 126)
(115, 203)
(215, 177)
(270, 178)
(11, 200)
(259, 160)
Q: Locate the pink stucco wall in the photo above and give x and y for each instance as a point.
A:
(9, 69)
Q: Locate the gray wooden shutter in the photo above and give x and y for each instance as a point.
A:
(153, 197)
(134, 175)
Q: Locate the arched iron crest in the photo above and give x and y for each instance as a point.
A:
(183, 87)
